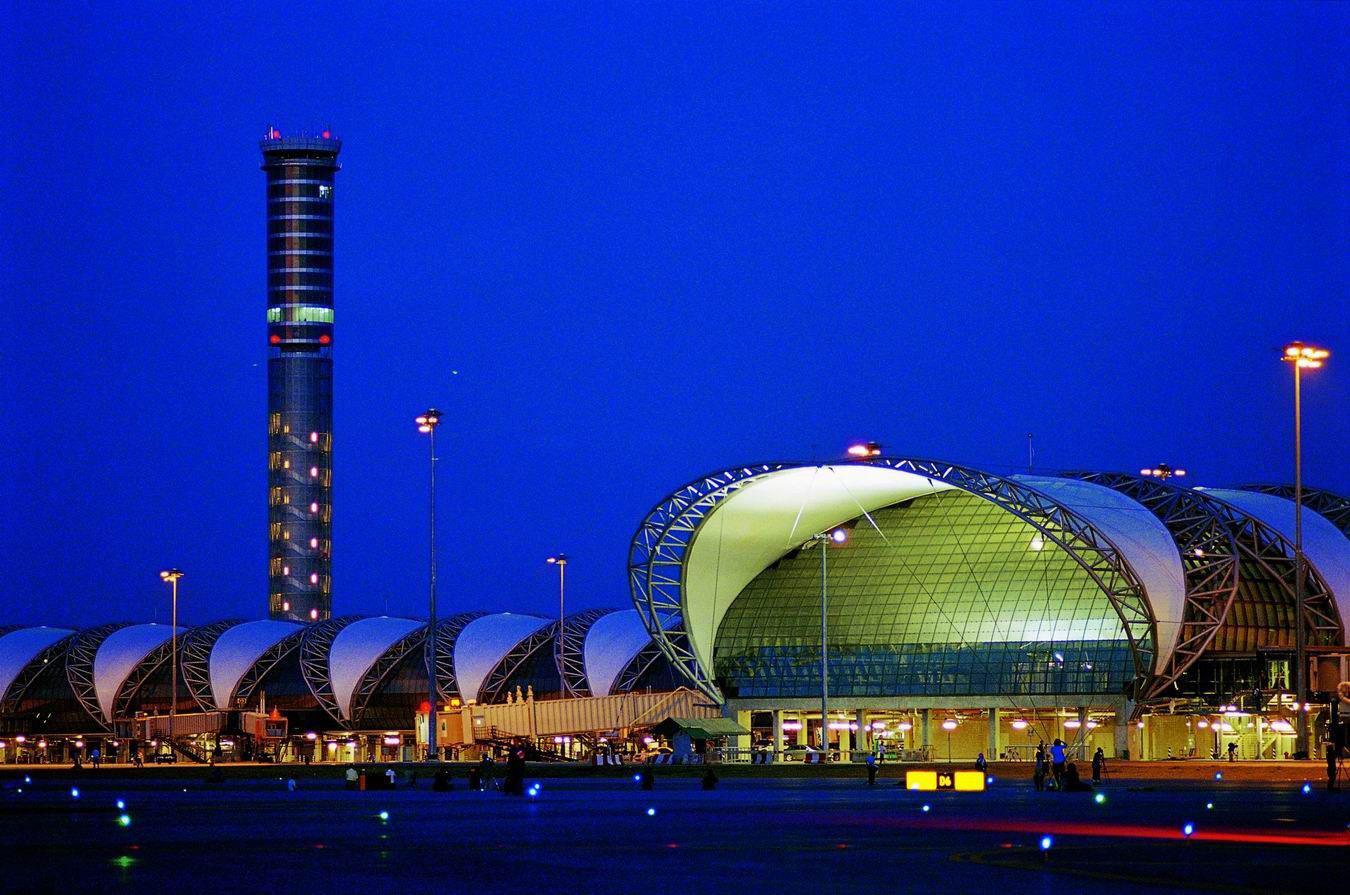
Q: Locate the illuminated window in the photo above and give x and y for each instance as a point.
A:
(313, 577)
(314, 472)
(314, 508)
(313, 437)
(285, 464)
(286, 606)
(285, 535)
(314, 542)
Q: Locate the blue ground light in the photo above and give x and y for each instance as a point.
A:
(74, 792)
(1187, 829)
(1099, 798)
(1046, 842)
(124, 820)
(651, 812)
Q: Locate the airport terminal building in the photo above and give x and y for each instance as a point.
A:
(963, 612)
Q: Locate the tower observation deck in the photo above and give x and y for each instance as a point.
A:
(300, 173)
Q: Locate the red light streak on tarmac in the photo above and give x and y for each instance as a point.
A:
(1130, 831)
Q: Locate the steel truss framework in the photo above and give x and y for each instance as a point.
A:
(1209, 555)
(374, 676)
(447, 633)
(10, 699)
(569, 651)
(1265, 547)
(194, 660)
(270, 658)
(146, 667)
(1332, 506)
(315, 647)
(639, 665)
(495, 683)
(657, 553)
(80, 669)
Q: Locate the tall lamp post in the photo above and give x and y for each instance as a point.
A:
(1301, 357)
(560, 560)
(825, 538)
(172, 576)
(426, 424)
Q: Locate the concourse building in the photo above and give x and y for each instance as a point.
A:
(961, 611)
(964, 611)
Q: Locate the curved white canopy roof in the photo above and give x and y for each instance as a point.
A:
(235, 651)
(18, 648)
(484, 642)
(611, 643)
(757, 525)
(357, 647)
(1147, 545)
(1327, 549)
(119, 654)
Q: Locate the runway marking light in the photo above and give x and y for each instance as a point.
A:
(651, 812)
(74, 793)
(384, 815)
(124, 820)
(121, 804)
(927, 808)
(1218, 775)
(1306, 789)
(1209, 806)
(1099, 798)
(1046, 842)
(1187, 830)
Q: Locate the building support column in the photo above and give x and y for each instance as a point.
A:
(777, 732)
(925, 716)
(1083, 731)
(799, 736)
(995, 736)
(1121, 734)
(863, 739)
(743, 740)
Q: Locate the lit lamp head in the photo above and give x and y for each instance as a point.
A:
(171, 575)
(839, 536)
(1305, 357)
(864, 449)
(428, 421)
(949, 725)
(559, 559)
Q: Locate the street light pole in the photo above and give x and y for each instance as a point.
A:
(837, 536)
(1301, 357)
(426, 424)
(172, 576)
(560, 560)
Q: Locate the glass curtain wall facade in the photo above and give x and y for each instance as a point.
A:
(955, 597)
(300, 173)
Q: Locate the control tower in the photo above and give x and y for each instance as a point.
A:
(300, 172)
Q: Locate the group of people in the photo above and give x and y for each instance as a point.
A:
(1054, 770)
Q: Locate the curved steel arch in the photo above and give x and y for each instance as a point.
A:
(80, 669)
(1209, 556)
(569, 651)
(657, 553)
(1334, 507)
(1261, 544)
(521, 653)
(194, 660)
(315, 647)
(270, 658)
(10, 699)
(447, 634)
(381, 667)
(645, 658)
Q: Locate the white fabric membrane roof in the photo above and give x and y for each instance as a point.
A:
(119, 654)
(484, 642)
(778, 512)
(235, 651)
(1148, 547)
(1327, 549)
(356, 647)
(611, 643)
(18, 648)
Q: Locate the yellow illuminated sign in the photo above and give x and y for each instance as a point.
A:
(931, 781)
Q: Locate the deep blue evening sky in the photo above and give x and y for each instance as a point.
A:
(654, 240)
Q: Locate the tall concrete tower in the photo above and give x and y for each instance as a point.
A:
(300, 172)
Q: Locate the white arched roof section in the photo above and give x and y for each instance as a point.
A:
(611, 643)
(356, 647)
(119, 654)
(235, 651)
(776, 513)
(18, 648)
(1143, 540)
(1327, 549)
(484, 642)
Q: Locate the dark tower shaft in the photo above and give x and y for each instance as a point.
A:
(300, 172)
